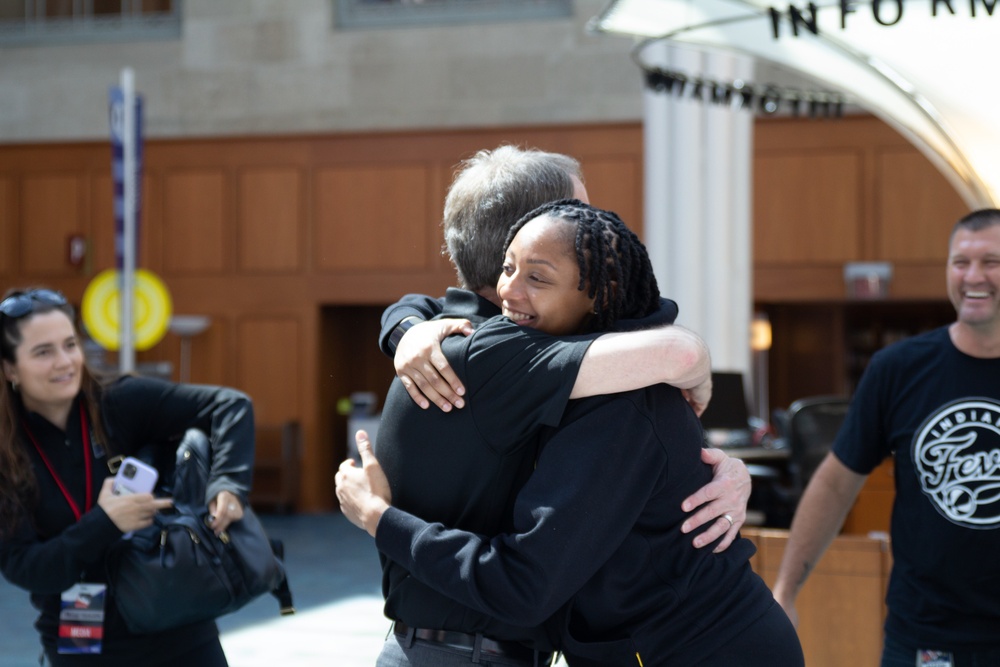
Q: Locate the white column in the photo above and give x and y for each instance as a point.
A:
(698, 158)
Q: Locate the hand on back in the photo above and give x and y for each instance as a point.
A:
(422, 367)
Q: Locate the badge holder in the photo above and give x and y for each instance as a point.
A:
(81, 619)
(927, 658)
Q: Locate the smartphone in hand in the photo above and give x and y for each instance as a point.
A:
(134, 476)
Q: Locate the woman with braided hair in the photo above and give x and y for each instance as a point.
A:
(594, 550)
(614, 269)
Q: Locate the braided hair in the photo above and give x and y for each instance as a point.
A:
(614, 265)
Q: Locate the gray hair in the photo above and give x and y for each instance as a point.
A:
(491, 191)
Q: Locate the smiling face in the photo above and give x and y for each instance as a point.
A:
(539, 283)
(974, 277)
(48, 363)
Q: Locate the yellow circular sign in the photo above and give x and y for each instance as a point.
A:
(151, 309)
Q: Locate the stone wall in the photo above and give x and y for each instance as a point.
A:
(248, 67)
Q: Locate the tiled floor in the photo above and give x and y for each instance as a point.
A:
(334, 574)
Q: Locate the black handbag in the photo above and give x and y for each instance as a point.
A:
(177, 571)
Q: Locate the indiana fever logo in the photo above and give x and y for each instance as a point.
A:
(957, 457)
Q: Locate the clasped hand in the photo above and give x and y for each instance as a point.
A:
(363, 492)
(423, 368)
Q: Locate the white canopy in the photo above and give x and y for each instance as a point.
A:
(927, 75)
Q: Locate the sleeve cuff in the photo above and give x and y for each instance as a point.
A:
(400, 331)
(394, 534)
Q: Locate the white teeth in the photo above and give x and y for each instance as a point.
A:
(517, 317)
(977, 295)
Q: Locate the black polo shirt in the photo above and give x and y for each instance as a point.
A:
(463, 467)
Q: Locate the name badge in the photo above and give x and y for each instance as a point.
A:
(927, 658)
(81, 619)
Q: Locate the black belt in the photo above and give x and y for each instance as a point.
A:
(466, 642)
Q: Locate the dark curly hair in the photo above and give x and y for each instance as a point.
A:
(614, 265)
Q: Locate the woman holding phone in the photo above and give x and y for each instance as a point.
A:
(63, 433)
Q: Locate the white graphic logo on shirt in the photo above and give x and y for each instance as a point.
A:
(957, 457)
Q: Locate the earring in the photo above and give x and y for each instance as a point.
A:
(13, 385)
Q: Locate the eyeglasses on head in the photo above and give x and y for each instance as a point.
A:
(19, 305)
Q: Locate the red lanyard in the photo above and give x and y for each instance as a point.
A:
(86, 462)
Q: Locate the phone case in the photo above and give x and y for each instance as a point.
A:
(134, 476)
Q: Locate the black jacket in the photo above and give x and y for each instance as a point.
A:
(50, 551)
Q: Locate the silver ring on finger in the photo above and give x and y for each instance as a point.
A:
(729, 519)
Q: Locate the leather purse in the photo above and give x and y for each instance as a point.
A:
(177, 571)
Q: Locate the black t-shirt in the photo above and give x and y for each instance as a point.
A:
(462, 467)
(937, 411)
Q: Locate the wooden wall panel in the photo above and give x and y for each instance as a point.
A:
(194, 239)
(916, 208)
(272, 380)
(8, 226)
(350, 361)
(807, 356)
(615, 183)
(209, 351)
(103, 224)
(372, 218)
(440, 180)
(151, 220)
(806, 207)
(901, 209)
(270, 220)
(208, 221)
(51, 209)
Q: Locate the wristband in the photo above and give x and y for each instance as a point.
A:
(401, 329)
